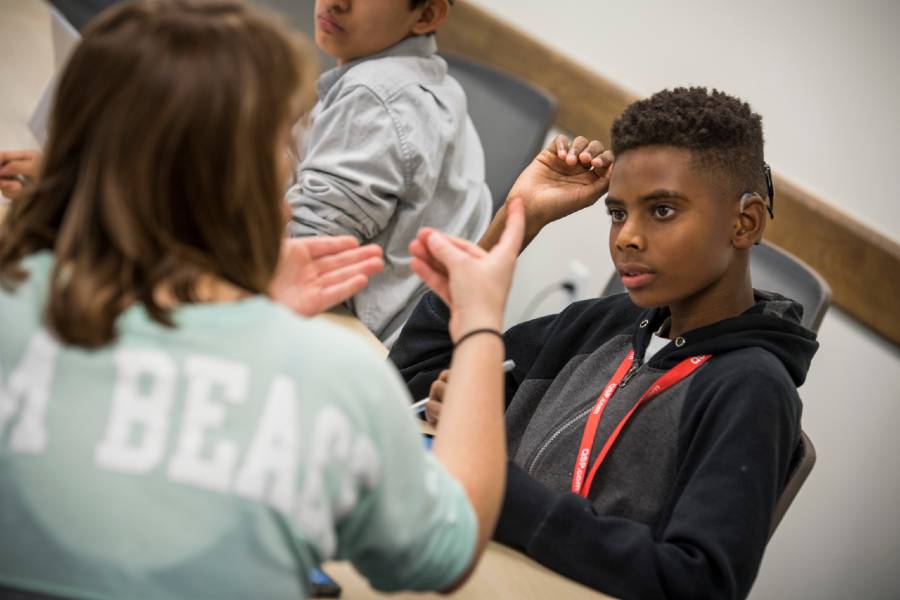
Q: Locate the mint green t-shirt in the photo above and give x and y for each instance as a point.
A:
(220, 459)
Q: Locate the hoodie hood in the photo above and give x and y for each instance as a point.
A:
(772, 323)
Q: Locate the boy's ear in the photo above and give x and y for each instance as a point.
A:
(433, 15)
(750, 222)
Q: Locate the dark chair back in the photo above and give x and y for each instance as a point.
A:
(803, 462)
(512, 118)
(79, 12)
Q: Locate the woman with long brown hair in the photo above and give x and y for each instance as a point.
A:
(166, 429)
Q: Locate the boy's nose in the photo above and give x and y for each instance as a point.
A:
(338, 5)
(629, 237)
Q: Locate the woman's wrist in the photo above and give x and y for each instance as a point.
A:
(465, 323)
(471, 333)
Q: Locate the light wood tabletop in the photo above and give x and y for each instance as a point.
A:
(26, 67)
(502, 574)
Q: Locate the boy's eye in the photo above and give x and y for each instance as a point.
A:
(616, 214)
(662, 211)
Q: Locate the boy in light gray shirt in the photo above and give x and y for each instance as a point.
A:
(389, 147)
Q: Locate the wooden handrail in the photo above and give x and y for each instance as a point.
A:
(861, 265)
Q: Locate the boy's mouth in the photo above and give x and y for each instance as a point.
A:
(635, 275)
(327, 24)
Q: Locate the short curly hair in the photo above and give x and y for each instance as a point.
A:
(722, 132)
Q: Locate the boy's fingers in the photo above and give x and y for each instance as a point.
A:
(595, 148)
(578, 146)
(600, 164)
(445, 375)
(432, 412)
(560, 145)
(605, 161)
(436, 391)
(600, 185)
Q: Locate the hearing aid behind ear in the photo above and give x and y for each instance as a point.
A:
(770, 189)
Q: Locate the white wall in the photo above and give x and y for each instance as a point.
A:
(826, 77)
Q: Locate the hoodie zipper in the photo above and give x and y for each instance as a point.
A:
(635, 366)
(555, 435)
(628, 375)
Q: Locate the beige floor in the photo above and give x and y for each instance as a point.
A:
(26, 64)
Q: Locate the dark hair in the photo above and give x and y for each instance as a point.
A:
(722, 132)
(162, 163)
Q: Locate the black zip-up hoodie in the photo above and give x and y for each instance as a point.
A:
(682, 505)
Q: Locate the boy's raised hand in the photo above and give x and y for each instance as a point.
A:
(473, 282)
(564, 178)
(317, 273)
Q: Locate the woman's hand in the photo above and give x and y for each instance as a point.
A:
(317, 273)
(473, 282)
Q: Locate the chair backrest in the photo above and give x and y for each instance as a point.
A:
(776, 270)
(79, 12)
(803, 461)
(512, 118)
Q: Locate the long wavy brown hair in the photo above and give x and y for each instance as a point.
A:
(162, 163)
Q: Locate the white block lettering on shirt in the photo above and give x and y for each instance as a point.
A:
(199, 458)
(272, 457)
(136, 432)
(30, 380)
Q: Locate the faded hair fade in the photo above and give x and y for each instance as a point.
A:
(162, 161)
(721, 131)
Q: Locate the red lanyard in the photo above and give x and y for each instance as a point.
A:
(582, 486)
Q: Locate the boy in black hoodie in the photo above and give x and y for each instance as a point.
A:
(650, 433)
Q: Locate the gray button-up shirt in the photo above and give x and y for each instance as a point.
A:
(390, 148)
